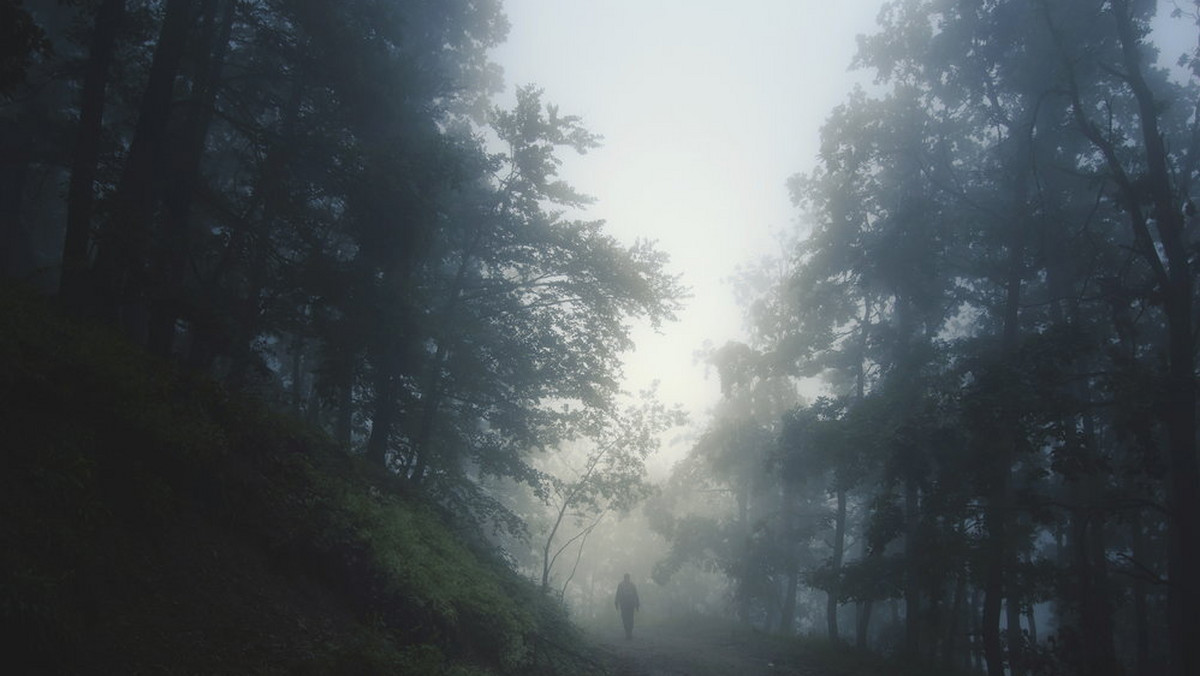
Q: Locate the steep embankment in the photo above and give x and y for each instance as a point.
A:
(154, 524)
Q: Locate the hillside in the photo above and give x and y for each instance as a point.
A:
(153, 523)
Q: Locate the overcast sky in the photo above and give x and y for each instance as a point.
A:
(706, 108)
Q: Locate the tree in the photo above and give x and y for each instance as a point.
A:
(1155, 204)
(610, 475)
(306, 200)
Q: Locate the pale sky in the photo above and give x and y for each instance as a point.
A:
(706, 108)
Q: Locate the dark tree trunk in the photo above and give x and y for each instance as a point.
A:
(344, 425)
(975, 649)
(954, 624)
(15, 156)
(912, 587)
(1091, 600)
(998, 512)
(383, 416)
(73, 286)
(171, 256)
(271, 191)
(862, 624)
(839, 548)
(787, 610)
(998, 545)
(1141, 617)
(1016, 639)
(299, 391)
(126, 239)
(992, 591)
(432, 393)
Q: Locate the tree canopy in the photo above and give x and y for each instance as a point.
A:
(994, 284)
(321, 204)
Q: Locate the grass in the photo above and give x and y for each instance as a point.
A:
(154, 523)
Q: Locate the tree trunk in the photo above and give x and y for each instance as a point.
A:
(998, 513)
(839, 548)
(73, 287)
(912, 588)
(170, 259)
(992, 591)
(1091, 602)
(271, 190)
(1140, 605)
(954, 625)
(743, 578)
(1032, 622)
(384, 414)
(1000, 501)
(1016, 639)
(344, 425)
(15, 157)
(977, 650)
(125, 241)
(862, 623)
(787, 610)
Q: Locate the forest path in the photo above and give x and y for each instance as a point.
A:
(701, 648)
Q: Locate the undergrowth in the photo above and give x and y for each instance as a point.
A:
(155, 523)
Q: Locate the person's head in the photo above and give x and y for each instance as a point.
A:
(627, 577)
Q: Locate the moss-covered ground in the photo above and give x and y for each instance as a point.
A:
(155, 524)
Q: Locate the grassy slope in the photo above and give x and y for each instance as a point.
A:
(152, 524)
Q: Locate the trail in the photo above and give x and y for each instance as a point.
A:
(702, 649)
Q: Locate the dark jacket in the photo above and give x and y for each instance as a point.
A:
(627, 597)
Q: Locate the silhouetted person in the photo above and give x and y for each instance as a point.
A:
(627, 602)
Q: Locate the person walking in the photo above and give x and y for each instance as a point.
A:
(627, 602)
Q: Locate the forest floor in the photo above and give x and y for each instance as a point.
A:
(700, 646)
(705, 649)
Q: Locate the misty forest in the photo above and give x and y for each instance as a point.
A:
(313, 362)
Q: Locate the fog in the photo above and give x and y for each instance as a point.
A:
(869, 322)
(706, 111)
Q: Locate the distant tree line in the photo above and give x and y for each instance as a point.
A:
(996, 281)
(319, 203)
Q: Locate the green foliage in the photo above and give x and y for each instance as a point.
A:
(153, 519)
(992, 282)
(22, 40)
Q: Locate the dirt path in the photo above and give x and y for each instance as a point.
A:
(702, 649)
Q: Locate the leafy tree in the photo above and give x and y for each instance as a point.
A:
(610, 475)
(969, 291)
(319, 204)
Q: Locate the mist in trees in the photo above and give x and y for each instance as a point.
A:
(962, 425)
(319, 204)
(988, 309)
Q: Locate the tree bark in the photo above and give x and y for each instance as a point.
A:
(912, 588)
(954, 625)
(787, 610)
(383, 416)
(170, 259)
(1140, 605)
(126, 239)
(862, 623)
(839, 548)
(73, 287)
(1016, 639)
(998, 514)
